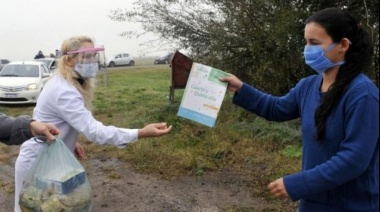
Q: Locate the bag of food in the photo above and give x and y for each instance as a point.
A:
(56, 182)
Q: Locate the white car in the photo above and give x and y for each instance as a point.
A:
(50, 62)
(21, 82)
(120, 59)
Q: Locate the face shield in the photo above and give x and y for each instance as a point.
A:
(88, 61)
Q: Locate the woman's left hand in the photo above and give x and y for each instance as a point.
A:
(277, 188)
(79, 151)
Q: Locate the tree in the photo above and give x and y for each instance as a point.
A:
(255, 39)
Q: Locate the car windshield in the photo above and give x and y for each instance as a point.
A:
(47, 62)
(21, 70)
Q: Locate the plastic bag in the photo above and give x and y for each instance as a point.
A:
(56, 182)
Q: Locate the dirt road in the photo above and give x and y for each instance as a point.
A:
(118, 188)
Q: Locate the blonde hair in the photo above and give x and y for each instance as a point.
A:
(88, 87)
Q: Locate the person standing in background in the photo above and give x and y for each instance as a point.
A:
(39, 55)
(57, 53)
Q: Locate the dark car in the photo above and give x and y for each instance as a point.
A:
(166, 59)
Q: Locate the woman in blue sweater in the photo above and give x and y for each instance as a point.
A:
(339, 111)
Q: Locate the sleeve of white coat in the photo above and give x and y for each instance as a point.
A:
(70, 107)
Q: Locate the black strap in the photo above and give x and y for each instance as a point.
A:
(80, 79)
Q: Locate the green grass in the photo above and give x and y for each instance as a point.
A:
(240, 141)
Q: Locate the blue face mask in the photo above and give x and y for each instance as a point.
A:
(87, 70)
(315, 58)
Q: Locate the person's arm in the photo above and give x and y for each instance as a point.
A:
(14, 131)
(154, 130)
(270, 107)
(70, 107)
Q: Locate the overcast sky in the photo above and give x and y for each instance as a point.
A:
(31, 25)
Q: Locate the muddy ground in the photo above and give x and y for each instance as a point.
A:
(117, 188)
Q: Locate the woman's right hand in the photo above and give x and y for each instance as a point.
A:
(234, 83)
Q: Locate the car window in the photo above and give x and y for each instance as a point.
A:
(29, 71)
(8, 71)
(20, 71)
(125, 55)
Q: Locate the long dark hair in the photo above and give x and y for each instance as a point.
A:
(338, 25)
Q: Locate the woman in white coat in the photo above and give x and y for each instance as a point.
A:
(66, 101)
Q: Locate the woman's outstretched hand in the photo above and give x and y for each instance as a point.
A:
(154, 130)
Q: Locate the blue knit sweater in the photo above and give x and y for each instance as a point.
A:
(340, 173)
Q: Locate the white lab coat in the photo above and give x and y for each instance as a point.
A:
(61, 104)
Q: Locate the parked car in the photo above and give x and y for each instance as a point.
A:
(21, 82)
(3, 62)
(166, 59)
(50, 62)
(120, 59)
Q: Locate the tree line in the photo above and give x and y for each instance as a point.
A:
(260, 41)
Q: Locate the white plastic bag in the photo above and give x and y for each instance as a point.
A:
(56, 182)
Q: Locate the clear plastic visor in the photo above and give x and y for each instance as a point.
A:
(88, 55)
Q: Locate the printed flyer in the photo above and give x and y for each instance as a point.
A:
(203, 95)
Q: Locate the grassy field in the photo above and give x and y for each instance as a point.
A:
(240, 141)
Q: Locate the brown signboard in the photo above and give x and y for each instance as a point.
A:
(180, 71)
